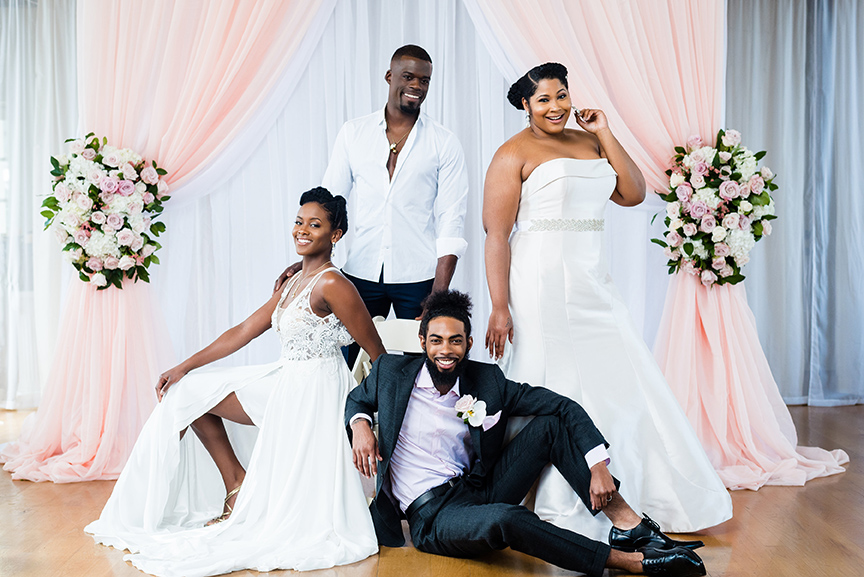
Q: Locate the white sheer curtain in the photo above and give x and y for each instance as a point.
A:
(239, 234)
(37, 110)
(794, 73)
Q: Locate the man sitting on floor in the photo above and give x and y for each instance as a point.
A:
(444, 462)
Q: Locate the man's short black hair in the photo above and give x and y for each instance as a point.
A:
(446, 303)
(412, 51)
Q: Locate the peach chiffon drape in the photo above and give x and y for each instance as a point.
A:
(655, 67)
(100, 389)
(175, 81)
(709, 350)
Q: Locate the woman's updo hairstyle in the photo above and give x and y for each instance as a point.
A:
(526, 86)
(334, 206)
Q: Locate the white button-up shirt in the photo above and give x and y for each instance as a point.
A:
(407, 223)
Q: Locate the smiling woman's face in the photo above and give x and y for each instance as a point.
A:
(549, 106)
(312, 230)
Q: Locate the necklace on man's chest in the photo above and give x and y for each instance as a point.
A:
(393, 145)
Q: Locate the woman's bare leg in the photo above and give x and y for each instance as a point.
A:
(210, 429)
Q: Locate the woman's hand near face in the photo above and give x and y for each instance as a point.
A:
(591, 120)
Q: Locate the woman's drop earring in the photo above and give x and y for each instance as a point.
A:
(332, 250)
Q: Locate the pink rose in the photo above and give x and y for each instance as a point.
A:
(671, 254)
(148, 198)
(98, 218)
(94, 176)
(742, 260)
(701, 168)
(126, 188)
(697, 180)
(696, 156)
(148, 250)
(731, 138)
(731, 220)
(766, 173)
(62, 192)
(464, 403)
(137, 243)
(129, 172)
(88, 153)
(109, 184)
(94, 264)
(687, 266)
(722, 249)
(744, 222)
(126, 262)
(709, 223)
(149, 175)
(766, 228)
(114, 221)
(727, 271)
(81, 237)
(136, 207)
(111, 159)
(718, 263)
(99, 279)
(690, 229)
(83, 201)
(724, 156)
(698, 209)
(694, 142)
(125, 237)
(684, 192)
(76, 146)
(673, 238)
(106, 197)
(756, 184)
(161, 188)
(708, 278)
(111, 262)
(729, 190)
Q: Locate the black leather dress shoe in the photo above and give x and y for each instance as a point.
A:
(677, 562)
(646, 534)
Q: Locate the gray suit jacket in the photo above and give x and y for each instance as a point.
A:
(388, 388)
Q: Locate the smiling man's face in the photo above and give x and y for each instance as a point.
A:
(446, 346)
(408, 78)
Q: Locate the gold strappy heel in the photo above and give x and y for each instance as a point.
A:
(230, 510)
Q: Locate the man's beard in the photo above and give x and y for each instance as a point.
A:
(410, 108)
(442, 379)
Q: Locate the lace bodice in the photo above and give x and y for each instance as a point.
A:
(302, 333)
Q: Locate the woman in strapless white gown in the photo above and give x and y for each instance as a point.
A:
(557, 320)
(300, 504)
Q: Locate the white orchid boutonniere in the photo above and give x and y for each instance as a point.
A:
(473, 412)
(470, 410)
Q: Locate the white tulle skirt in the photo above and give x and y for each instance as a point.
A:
(301, 506)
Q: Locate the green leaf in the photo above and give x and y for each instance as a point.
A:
(757, 228)
(117, 281)
(104, 140)
(83, 277)
(720, 134)
(771, 186)
(734, 279)
(688, 248)
(161, 171)
(657, 241)
(154, 259)
(769, 217)
(57, 172)
(154, 164)
(759, 155)
(680, 150)
(68, 140)
(760, 200)
(47, 213)
(55, 163)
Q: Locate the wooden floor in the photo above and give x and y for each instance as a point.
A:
(778, 531)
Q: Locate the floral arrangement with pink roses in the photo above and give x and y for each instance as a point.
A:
(103, 211)
(718, 207)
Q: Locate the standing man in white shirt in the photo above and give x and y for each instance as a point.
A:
(404, 175)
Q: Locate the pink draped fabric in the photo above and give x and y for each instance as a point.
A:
(176, 80)
(100, 389)
(708, 348)
(656, 68)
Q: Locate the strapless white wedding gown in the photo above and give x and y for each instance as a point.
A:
(301, 506)
(573, 335)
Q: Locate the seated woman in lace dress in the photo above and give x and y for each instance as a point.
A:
(301, 505)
